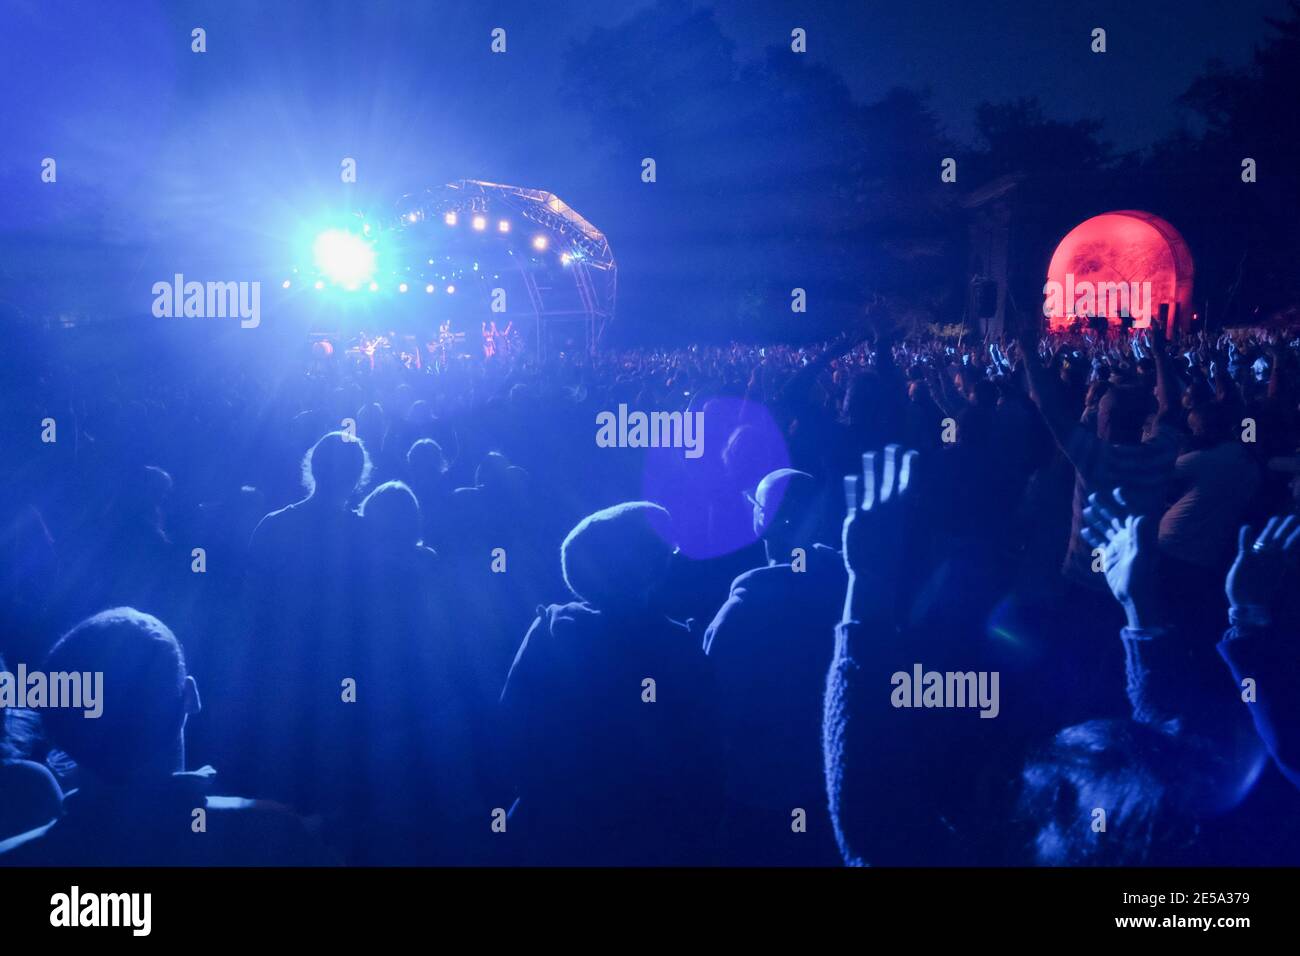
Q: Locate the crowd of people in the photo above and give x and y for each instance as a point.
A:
(918, 601)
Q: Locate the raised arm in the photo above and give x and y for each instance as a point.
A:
(1155, 676)
(1259, 653)
(1045, 392)
(1170, 684)
(870, 748)
(1167, 391)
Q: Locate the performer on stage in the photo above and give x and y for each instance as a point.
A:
(441, 349)
(506, 339)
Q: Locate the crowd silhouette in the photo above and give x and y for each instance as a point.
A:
(418, 616)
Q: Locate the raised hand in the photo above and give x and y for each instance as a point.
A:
(1130, 555)
(873, 528)
(1263, 563)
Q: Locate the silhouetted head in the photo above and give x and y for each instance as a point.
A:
(617, 558)
(1210, 424)
(155, 485)
(391, 514)
(335, 467)
(491, 472)
(425, 460)
(146, 696)
(1121, 414)
(420, 414)
(371, 423)
(145, 498)
(516, 485)
(786, 511)
(1142, 784)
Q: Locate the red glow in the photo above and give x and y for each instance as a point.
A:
(1105, 263)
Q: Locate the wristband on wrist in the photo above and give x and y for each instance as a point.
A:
(1249, 615)
(1140, 633)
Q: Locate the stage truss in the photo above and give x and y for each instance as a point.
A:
(581, 247)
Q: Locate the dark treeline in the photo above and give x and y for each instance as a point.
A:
(773, 176)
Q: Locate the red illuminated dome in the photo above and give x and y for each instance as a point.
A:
(1126, 261)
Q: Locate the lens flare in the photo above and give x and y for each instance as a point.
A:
(343, 257)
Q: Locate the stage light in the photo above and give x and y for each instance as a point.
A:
(451, 290)
(374, 287)
(565, 258)
(480, 223)
(319, 284)
(429, 288)
(402, 287)
(539, 243)
(503, 225)
(449, 219)
(284, 284)
(412, 217)
(343, 256)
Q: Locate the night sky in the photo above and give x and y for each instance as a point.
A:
(225, 154)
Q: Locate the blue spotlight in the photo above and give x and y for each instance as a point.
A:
(343, 257)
